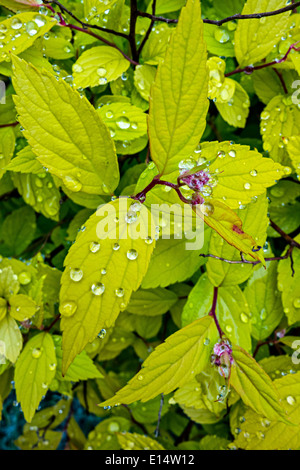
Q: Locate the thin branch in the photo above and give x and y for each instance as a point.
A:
(63, 9)
(13, 124)
(237, 16)
(284, 235)
(133, 20)
(250, 68)
(149, 29)
(213, 314)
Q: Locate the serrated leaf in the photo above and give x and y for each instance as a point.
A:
(154, 50)
(293, 150)
(229, 226)
(134, 441)
(11, 337)
(236, 111)
(241, 173)
(124, 121)
(34, 372)
(151, 302)
(279, 121)
(255, 387)
(22, 307)
(225, 274)
(39, 191)
(76, 145)
(82, 367)
(267, 84)
(93, 252)
(254, 38)
(234, 316)
(199, 301)
(289, 286)
(173, 363)
(7, 147)
(98, 66)
(264, 301)
(179, 103)
(29, 25)
(258, 433)
(144, 76)
(25, 162)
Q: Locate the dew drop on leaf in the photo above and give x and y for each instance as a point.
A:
(98, 288)
(68, 308)
(76, 274)
(132, 254)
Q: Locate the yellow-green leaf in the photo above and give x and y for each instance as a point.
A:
(22, 307)
(34, 372)
(107, 262)
(179, 104)
(294, 154)
(7, 147)
(236, 111)
(144, 76)
(125, 122)
(74, 145)
(134, 441)
(181, 357)
(21, 31)
(255, 387)
(258, 433)
(98, 66)
(11, 337)
(255, 38)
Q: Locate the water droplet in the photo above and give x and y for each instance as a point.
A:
(228, 328)
(102, 334)
(116, 246)
(16, 23)
(244, 317)
(98, 288)
(94, 247)
(40, 20)
(296, 303)
(132, 254)
(206, 341)
(32, 28)
(232, 153)
(291, 400)
(72, 183)
(221, 35)
(149, 240)
(68, 308)
(207, 209)
(102, 81)
(109, 114)
(52, 367)
(36, 353)
(24, 278)
(76, 274)
(77, 68)
(140, 377)
(123, 122)
(131, 217)
(253, 173)
(247, 186)
(263, 314)
(103, 271)
(101, 72)
(119, 292)
(113, 427)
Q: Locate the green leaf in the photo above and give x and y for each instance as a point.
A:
(144, 76)
(9, 284)
(173, 363)
(22, 30)
(234, 316)
(171, 262)
(75, 145)
(292, 148)
(7, 147)
(229, 226)
(34, 372)
(166, 6)
(151, 302)
(17, 231)
(98, 66)
(11, 337)
(124, 121)
(213, 443)
(236, 111)
(225, 274)
(219, 40)
(267, 84)
(103, 267)
(179, 103)
(25, 162)
(255, 387)
(241, 173)
(264, 301)
(258, 433)
(39, 191)
(82, 367)
(134, 441)
(22, 307)
(96, 7)
(154, 50)
(279, 121)
(254, 38)
(289, 286)
(199, 301)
